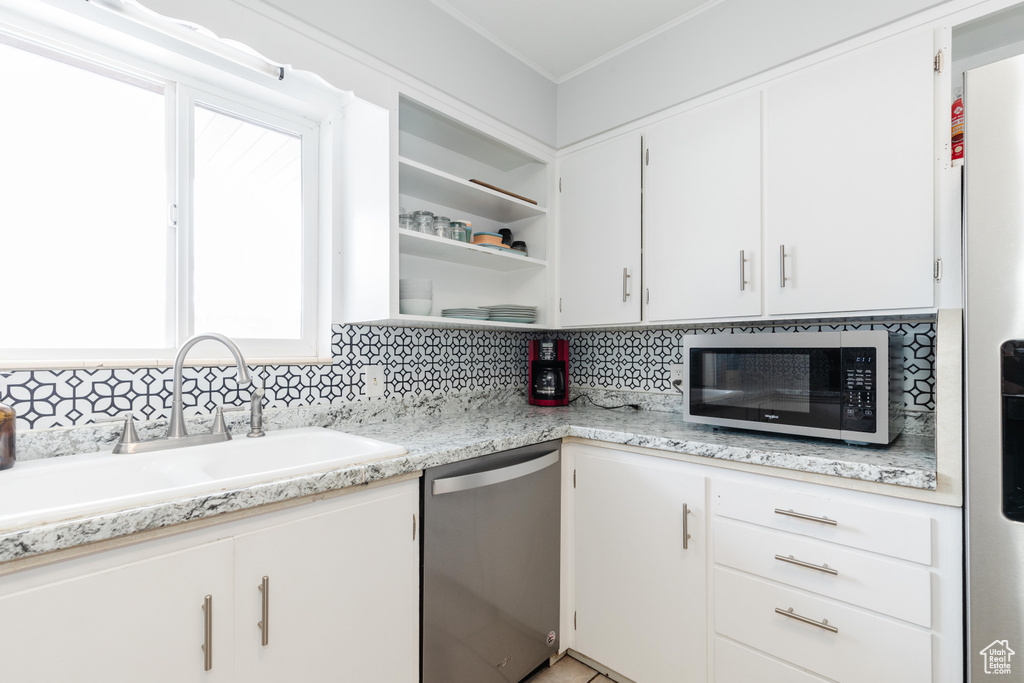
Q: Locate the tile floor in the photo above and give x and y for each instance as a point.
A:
(567, 670)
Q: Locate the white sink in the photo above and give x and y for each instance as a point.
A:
(51, 489)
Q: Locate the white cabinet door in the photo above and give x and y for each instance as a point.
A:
(849, 182)
(702, 212)
(599, 234)
(343, 591)
(142, 621)
(640, 595)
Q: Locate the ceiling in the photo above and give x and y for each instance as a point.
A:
(560, 38)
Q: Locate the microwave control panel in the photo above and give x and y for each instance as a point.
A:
(859, 410)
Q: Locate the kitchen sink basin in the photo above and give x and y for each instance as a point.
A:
(52, 489)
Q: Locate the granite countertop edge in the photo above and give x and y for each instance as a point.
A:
(65, 534)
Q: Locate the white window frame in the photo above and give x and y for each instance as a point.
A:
(309, 132)
(304, 109)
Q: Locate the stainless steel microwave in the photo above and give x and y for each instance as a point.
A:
(837, 385)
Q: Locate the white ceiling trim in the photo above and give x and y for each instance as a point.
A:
(494, 39)
(637, 41)
(590, 65)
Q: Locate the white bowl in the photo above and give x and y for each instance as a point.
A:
(416, 293)
(414, 282)
(415, 306)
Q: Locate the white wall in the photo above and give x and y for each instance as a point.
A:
(732, 40)
(360, 44)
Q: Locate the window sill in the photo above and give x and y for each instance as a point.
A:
(152, 363)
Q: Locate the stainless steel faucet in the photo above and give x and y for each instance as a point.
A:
(256, 409)
(177, 436)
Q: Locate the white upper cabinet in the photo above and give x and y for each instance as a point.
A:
(849, 198)
(702, 212)
(599, 227)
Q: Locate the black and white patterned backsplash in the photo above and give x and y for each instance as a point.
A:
(416, 361)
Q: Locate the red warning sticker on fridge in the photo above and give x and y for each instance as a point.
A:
(957, 140)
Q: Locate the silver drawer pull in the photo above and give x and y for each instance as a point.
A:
(823, 624)
(208, 633)
(809, 518)
(686, 526)
(264, 623)
(824, 568)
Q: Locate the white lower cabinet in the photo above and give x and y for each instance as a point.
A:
(849, 586)
(862, 647)
(343, 601)
(343, 594)
(138, 621)
(781, 581)
(640, 583)
(737, 664)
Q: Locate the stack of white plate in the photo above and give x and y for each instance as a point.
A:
(512, 313)
(415, 297)
(469, 313)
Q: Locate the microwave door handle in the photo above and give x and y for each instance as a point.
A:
(477, 480)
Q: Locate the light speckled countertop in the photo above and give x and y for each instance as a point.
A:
(435, 435)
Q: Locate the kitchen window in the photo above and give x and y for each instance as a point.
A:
(139, 206)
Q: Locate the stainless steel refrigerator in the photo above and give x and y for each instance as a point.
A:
(994, 242)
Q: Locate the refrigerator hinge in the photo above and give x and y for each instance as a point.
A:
(937, 271)
(938, 62)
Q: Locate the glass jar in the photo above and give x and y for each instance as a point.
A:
(424, 221)
(460, 231)
(406, 221)
(442, 227)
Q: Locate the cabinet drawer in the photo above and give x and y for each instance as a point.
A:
(737, 664)
(865, 648)
(858, 524)
(870, 581)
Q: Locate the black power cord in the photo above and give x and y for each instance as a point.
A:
(634, 406)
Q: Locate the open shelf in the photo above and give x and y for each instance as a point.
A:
(429, 184)
(442, 249)
(440, 321)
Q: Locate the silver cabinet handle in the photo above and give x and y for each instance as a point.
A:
(208, 633)
(625, 281)
(823, 624)
(782, 265)
(686, 526)
(479, 479)
(743, 271)
(264, 624)
(809, 518)
(824, 568)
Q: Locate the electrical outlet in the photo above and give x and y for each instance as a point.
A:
(675, 372)
(373, 379)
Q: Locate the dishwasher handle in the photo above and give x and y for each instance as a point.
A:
(479, 479)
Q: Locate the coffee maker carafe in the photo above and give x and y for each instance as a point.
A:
(549, 372)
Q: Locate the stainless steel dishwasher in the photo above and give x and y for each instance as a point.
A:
(491, 532)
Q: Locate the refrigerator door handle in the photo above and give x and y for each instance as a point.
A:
(479, 479)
